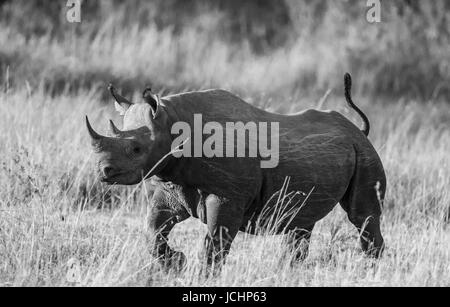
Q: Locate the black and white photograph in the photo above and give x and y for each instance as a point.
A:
(232, 146)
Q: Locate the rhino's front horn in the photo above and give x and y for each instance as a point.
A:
(116, 131)
(94, 135)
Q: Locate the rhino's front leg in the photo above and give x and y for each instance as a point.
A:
(224, 219)
(163, 216)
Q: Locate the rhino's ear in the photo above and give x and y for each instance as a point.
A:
(154, 101)
(120, 109)
(121, 103)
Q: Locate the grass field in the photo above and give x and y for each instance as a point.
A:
(54, 212)
(53, 209)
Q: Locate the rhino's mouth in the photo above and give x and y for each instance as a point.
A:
(113, 179)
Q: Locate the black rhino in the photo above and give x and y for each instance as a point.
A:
(323, 154)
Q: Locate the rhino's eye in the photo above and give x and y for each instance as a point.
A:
(137, 150)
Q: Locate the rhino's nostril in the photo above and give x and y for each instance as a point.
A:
(108, 171)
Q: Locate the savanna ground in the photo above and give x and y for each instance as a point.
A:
(54, 211)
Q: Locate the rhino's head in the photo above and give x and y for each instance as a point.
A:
(128, 156)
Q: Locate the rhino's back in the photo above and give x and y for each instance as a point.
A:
(219, 106)
(222, 106)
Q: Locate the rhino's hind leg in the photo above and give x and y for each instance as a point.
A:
(371, 239)
(299, 240)
(368, 226)
(362, 202)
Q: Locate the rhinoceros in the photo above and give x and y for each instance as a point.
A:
(327, 159)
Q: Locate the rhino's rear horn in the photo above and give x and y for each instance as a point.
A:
(94, 135)
(115, 131)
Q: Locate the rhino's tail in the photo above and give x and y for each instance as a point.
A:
(348, 96)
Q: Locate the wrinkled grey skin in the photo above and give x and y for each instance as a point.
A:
(322, 153)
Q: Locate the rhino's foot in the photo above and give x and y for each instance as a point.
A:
(299, 240)
(211, 270)
(212, 260)
(301, 252)
(373, 249)
(372, 242)
(176, 261)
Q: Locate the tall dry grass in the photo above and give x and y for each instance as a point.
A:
(54, 212)
(52, 208)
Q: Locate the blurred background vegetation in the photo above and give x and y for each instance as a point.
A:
(259, 47)
(280, 55)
